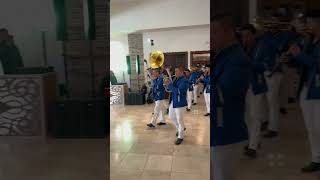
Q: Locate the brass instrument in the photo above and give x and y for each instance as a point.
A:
(157, 62)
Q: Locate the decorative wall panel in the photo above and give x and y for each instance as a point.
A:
(19, 107)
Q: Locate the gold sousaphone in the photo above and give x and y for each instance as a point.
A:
(156, 61)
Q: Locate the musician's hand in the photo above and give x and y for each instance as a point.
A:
(284, 58)
(294, 49)
(167, 82)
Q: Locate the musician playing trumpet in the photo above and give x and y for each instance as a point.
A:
(158, 96)
(310, 95)
(178, 101)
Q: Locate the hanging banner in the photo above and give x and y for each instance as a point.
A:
(61, 19)
(128, 65)
(138, 65)
(89, 19)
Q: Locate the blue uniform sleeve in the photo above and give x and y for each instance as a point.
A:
(160, 84)
(305, 59)
(237, 77)
(182, 87)
(266, 59)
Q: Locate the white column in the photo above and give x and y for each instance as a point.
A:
(253, 5)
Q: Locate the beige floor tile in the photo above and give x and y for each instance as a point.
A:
(156, 175)
(188, 164)
(160, 149)
(134, 161)
(159, 163)
(116, 158)
(185, 176)
(191, 151)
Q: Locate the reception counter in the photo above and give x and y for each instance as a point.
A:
(26, 101)
(118, 94)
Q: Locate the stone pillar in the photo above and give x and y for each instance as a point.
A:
(135, 42)
(77, 48)
(76, 52)
(101, 49)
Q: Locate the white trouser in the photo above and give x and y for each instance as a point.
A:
(224, 160)
(273, 96)
(207, 99)
(254, 117)
(311, 116)
(158, 112)
(176, 115)
(195, 93)
(189, 98)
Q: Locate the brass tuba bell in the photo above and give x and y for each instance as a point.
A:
(156, 59)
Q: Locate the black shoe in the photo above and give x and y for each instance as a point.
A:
(161, 123)
(178, 133)
(198, 96)
(194, 104)
(246, 148)
(208, 114)
(283, 111)
(312, 167)
(150, 125)
(188, 109)
(200, 92)
(271, 134)
(178, 141)
(251, 153)
(264, 126)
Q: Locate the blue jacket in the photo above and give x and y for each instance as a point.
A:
(283, 39)
(231, 74)
(190, 84)
(262, 59)
(312, 63)
(206, 82)
(158, 89)
(178, 90)
(194, 76)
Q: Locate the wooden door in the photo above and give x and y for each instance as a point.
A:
(176, 59)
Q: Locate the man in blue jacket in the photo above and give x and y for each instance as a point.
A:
(187, 73)
(206, 94)
(310, 95)
(158, 97)
(230, 81)
(194, 79)
(277, 95)
(178, 101)
(261, 59)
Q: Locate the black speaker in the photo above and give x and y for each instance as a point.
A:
(81, 118)
(136, 98)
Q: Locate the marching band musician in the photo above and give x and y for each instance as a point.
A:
(261, 59)
(158, 97)
(194, 78)
(206, 81)
(280, 41)
(190, 89)
(231, 74)
(178, 100)
(310, 95)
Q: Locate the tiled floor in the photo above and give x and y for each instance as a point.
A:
(68, 159)
(138, 152)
